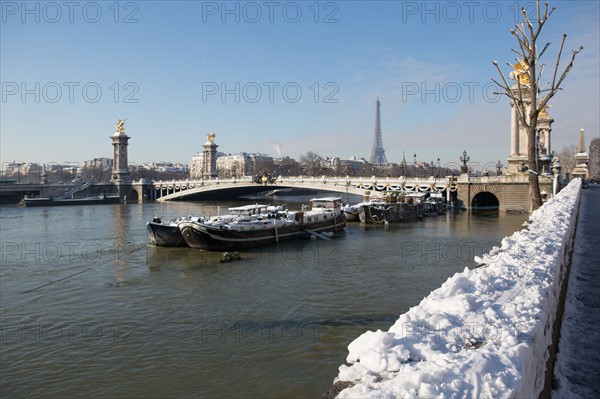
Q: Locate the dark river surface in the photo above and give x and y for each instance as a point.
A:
(89, 309)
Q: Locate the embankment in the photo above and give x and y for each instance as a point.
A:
(487, 331)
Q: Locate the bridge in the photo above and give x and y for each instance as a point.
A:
(508, 193)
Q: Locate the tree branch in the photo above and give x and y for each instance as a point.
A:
(562, 44)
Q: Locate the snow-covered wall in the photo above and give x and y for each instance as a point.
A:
(486, 331)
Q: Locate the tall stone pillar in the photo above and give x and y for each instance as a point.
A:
(120, 173)
(518, 133)
(581, 158)
(521, 91)
(209, 160)
(514, 131)
(543, 131)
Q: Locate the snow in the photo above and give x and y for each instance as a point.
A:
(485, 331)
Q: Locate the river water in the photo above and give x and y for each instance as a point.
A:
(88, 309)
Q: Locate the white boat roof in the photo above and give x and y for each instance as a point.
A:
(327, 199)
(248, 207)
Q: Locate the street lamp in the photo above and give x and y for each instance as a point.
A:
(499, 168)
(464, 159)
(415, 163)
(438, 167)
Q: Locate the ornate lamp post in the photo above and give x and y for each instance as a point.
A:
(464, 159)
(415, 163)
(438, 167)
(499, 168)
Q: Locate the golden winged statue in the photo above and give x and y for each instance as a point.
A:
(121, 125)
(520, 72)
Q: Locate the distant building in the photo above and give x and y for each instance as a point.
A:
(231, 165)
(244, 164)
(355, 166)
(594, 169)
(167, 167)
(286, 166)
(24, 172)
(99, 163)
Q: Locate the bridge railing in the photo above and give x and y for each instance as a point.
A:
(359, 185)
(298, 179)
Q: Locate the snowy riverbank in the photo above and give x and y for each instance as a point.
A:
(486, 331)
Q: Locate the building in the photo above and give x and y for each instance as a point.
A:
(97, 169)
(594, 168)
(244, 164)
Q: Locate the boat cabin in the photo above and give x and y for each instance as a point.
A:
(416, 197)
(326, 202)
(248, 210)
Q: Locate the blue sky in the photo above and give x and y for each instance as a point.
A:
(281, 78)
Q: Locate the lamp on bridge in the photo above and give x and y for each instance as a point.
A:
(499, 168)
(415, 163)
(464, 159)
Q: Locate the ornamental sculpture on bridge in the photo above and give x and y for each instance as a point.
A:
(121, 126)
(520, 72)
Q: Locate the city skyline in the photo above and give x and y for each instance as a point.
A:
(283, 81)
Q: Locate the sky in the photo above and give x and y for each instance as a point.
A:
(281, 78)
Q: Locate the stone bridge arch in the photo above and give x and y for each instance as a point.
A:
(467, 193)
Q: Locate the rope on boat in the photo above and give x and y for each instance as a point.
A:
(376, 219)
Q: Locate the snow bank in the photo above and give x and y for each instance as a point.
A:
(485, 332)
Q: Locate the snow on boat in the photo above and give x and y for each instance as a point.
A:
(260, 229)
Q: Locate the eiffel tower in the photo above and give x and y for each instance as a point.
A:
(377, 151)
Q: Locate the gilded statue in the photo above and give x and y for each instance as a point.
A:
(520, 72)
(121, 126)
(211, 137)
(544, 112)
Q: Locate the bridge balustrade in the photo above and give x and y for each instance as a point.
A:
(167, 190)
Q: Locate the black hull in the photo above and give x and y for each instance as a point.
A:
(218, 239)
(352, 216)
(163, 235)
(391, 213)
(64, 202)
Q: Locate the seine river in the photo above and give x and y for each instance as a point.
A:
(88, 309)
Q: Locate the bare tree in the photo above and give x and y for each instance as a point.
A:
(528, 96)
(311, 162)
(567, 159)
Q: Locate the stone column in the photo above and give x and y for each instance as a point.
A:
(514, 131)
(581, 158)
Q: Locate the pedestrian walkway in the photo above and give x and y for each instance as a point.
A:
(577, 369)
